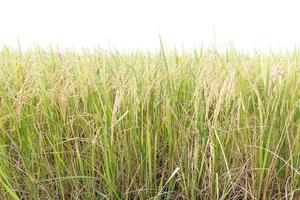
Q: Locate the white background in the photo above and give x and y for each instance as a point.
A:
(136, 24)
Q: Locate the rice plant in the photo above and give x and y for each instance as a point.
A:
(167, 125)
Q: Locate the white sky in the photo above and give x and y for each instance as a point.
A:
(136, 24)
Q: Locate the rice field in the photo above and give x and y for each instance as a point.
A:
(192, 125)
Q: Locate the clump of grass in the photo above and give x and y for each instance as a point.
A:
(98, 125)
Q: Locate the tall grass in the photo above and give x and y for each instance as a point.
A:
(202, 125)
